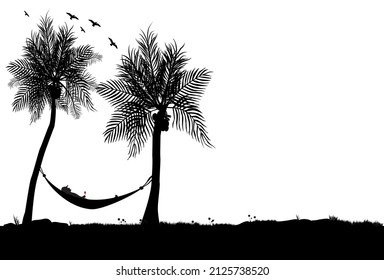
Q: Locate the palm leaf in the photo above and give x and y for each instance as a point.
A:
(21, 69)
(14, 83)
(187, 117)
(116, 92)
(194, 82)
(74, 106)
(132, 71)
(34, 55)
(63, 52)
(37, 102)
(175, 60)
(82, 84)
(85, 56)
(131, 122)
(150, 52)
(63, 102)
(21, 100)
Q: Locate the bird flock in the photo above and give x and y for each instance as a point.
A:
(93, 23)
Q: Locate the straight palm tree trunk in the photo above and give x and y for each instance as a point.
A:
(151, 214)
(32, 184)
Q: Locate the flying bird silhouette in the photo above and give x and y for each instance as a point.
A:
(112, 43)
(82, 29)
(94, 23)
(25, 13)
(72, 16)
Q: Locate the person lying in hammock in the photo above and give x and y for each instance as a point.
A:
(67, 190)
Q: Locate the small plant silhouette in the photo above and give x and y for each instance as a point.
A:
(297, 217)
(251, 218)
(211, 221)
(16, 220)
(121, 221)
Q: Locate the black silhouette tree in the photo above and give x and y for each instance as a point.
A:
(150, 82)
(52, 71)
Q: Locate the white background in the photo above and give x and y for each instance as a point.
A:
(294, 109)
(278, 270)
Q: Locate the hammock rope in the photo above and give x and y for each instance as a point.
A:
(91, 203)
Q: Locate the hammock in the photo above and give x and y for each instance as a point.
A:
(92, 203)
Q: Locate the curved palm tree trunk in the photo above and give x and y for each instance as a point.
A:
(32, 184)
(151, 214)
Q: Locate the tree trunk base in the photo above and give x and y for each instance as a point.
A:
(150, 218)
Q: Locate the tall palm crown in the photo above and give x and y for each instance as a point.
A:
(150, 81)
(52, 68)
(51, 71)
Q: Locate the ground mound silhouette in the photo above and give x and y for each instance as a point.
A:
(293, 240)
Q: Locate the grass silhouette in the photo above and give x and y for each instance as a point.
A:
(330, 238)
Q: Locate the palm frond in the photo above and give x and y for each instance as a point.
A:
(21, 69)
(85, 56)
(77, 94)
(63, 103)
(47, 32)
(37, 102)
(150, 52)
(194, 82)
(29, 94)
(175, 56)
(35, 57)
(79, 81)
(116, 92)
(40, 46)
(84, 88)
(132, 71)
(82, 84)
(64, 51)
(14, 83)
(74, 106)
(131, 122)
(21, 100)
(68, 101)
(187, 117)
(175, 60)
(47, 39)
(183, 96)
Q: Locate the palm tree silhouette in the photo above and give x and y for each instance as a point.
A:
(52, 71)
(150, 82)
